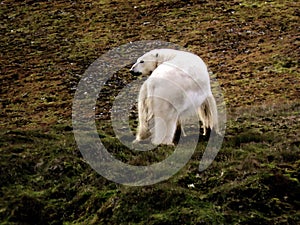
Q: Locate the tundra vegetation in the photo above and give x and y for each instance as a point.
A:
(252, 47)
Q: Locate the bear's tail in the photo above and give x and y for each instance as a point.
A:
(209, 114)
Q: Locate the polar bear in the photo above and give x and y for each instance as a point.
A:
(178, 86)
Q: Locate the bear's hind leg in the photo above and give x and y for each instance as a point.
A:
(165, 124)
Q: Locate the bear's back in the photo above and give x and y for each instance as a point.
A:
(181, 59)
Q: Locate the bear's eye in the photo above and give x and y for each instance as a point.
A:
(142, 61)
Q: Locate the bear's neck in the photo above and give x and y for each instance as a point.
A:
(165, 58)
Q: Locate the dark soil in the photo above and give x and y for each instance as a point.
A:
(252, 47)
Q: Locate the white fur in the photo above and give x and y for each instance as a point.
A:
(178, 87)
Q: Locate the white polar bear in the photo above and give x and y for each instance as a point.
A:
(179, 86)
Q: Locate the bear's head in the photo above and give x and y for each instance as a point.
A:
(145, 64)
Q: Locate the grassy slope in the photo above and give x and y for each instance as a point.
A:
(251, 46)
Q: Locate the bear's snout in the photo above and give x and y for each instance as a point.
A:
(135, 73)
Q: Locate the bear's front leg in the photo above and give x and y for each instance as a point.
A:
(142, 133)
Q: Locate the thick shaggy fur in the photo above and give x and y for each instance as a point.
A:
(178, 87)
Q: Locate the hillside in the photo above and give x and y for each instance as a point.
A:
(252, 48)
